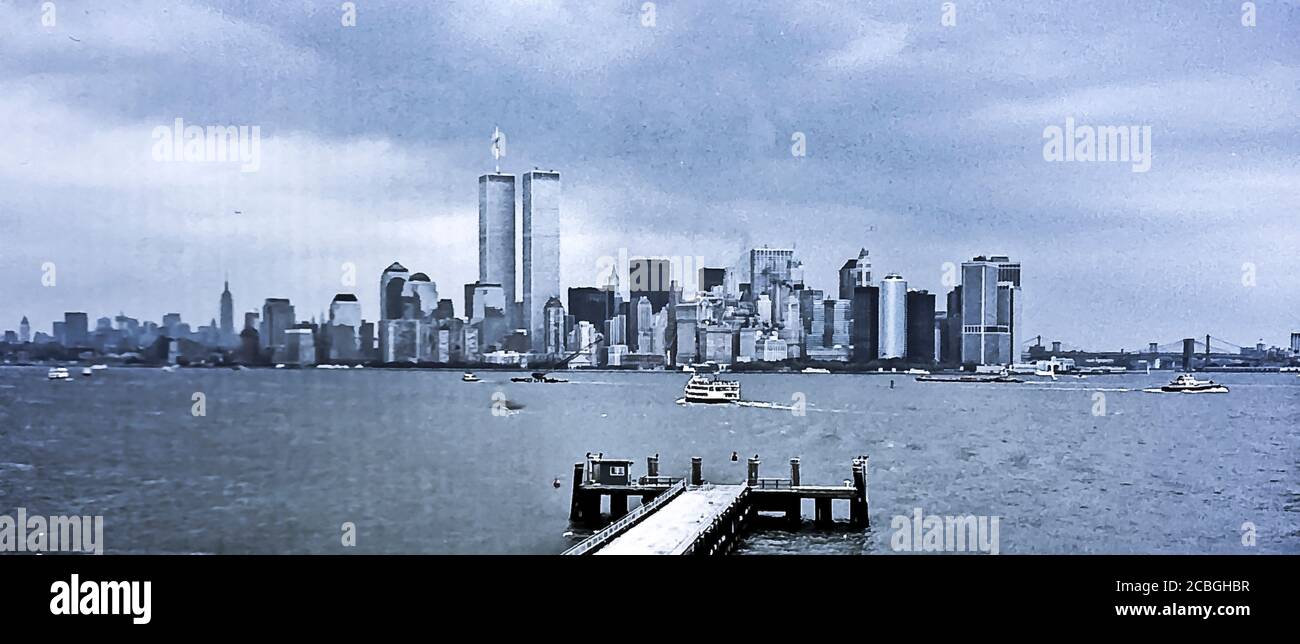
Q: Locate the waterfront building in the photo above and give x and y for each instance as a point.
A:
(541, 258)
(836, 332)
(644, 330)
(299, 347)
(686, 347)
(893, 317)
(719, 345)
(615, 355)
(25, 331)
(989, 308)
(76, 329)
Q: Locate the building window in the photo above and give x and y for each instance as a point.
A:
(617, 470)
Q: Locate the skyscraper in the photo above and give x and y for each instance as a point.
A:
(424, 289)
(76, 328)
(541, 219)
(24, 331)
(591, 304)
(392, 287)
(553, 314)
(989, 308)
(920, 326)
(277, 317)
(644, 313)
(866, 324)
(951, 350)
(227, 316)
(651, 278)
(496, 237)
(855, 272)
(893, 316)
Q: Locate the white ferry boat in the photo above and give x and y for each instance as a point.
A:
(57, 373)
(815, 370)
(469, 377)
(1188, 384)
(706, 387)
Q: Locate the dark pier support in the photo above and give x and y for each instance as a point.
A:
(697, 471)
(794, 472)
(753, 469)
(617, 505)
(822, 518)
(575, 499)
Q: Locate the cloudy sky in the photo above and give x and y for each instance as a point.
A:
(924, 144)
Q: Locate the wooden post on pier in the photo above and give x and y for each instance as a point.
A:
(753, 469)
(858, 504)
(575, 504)
(652, 465)
(697, 471)
(794, 472)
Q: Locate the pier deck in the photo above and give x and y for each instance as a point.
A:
(690, 515)
(676, 527)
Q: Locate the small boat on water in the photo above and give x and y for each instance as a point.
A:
(469, 377)
(98, 367)
(706, 386)
(87, 372)
(917, 372)
(537, 376)
(57, 373)
(815, 370)
(1186, 383)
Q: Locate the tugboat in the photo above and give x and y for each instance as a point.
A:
(707, 387)
(540, 376)
(1188, 384)
(469, 377)
(57, 373)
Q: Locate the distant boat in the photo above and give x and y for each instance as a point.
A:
(1000, 379)
(815, 370)
(169, 368)
(917, 372)
(469, 377)
(99, 367)
(537, 376)
(57, 373)
(86, 371)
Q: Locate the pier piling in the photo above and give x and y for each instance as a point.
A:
(753, 469)
(697, 471)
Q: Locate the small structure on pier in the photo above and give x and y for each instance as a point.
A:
(690, 515)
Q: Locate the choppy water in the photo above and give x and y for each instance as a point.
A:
(418, 462)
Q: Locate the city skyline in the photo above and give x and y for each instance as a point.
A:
(922, 169)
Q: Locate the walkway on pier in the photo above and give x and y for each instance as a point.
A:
(675, 527)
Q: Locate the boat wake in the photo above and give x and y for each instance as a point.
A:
(757, 404)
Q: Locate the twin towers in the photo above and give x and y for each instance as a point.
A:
(497, 258)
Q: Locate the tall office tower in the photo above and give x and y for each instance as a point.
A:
(277, 317)
(553, 326)
(252, 320)
(710, 278)
(764, 307)
(57, 329)
(893, 316)
(812, 315)
(951, 353)
(644, 325)
(496, 237)
(480, 298)
(855, 272)
(866, 324)
(76, 328)
(988, 310)
(25, 331)
(1295, 339)
(651, 278)
(420, 286)
(940, 333)
(685, 348)
(764, 268)
(541, 206)
(392, 285)
(837, 332)
(171, 323)
(920, 326)
(227, 316)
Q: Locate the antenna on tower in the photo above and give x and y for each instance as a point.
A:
(498, 147)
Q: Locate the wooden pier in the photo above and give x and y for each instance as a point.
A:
(691, 515)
